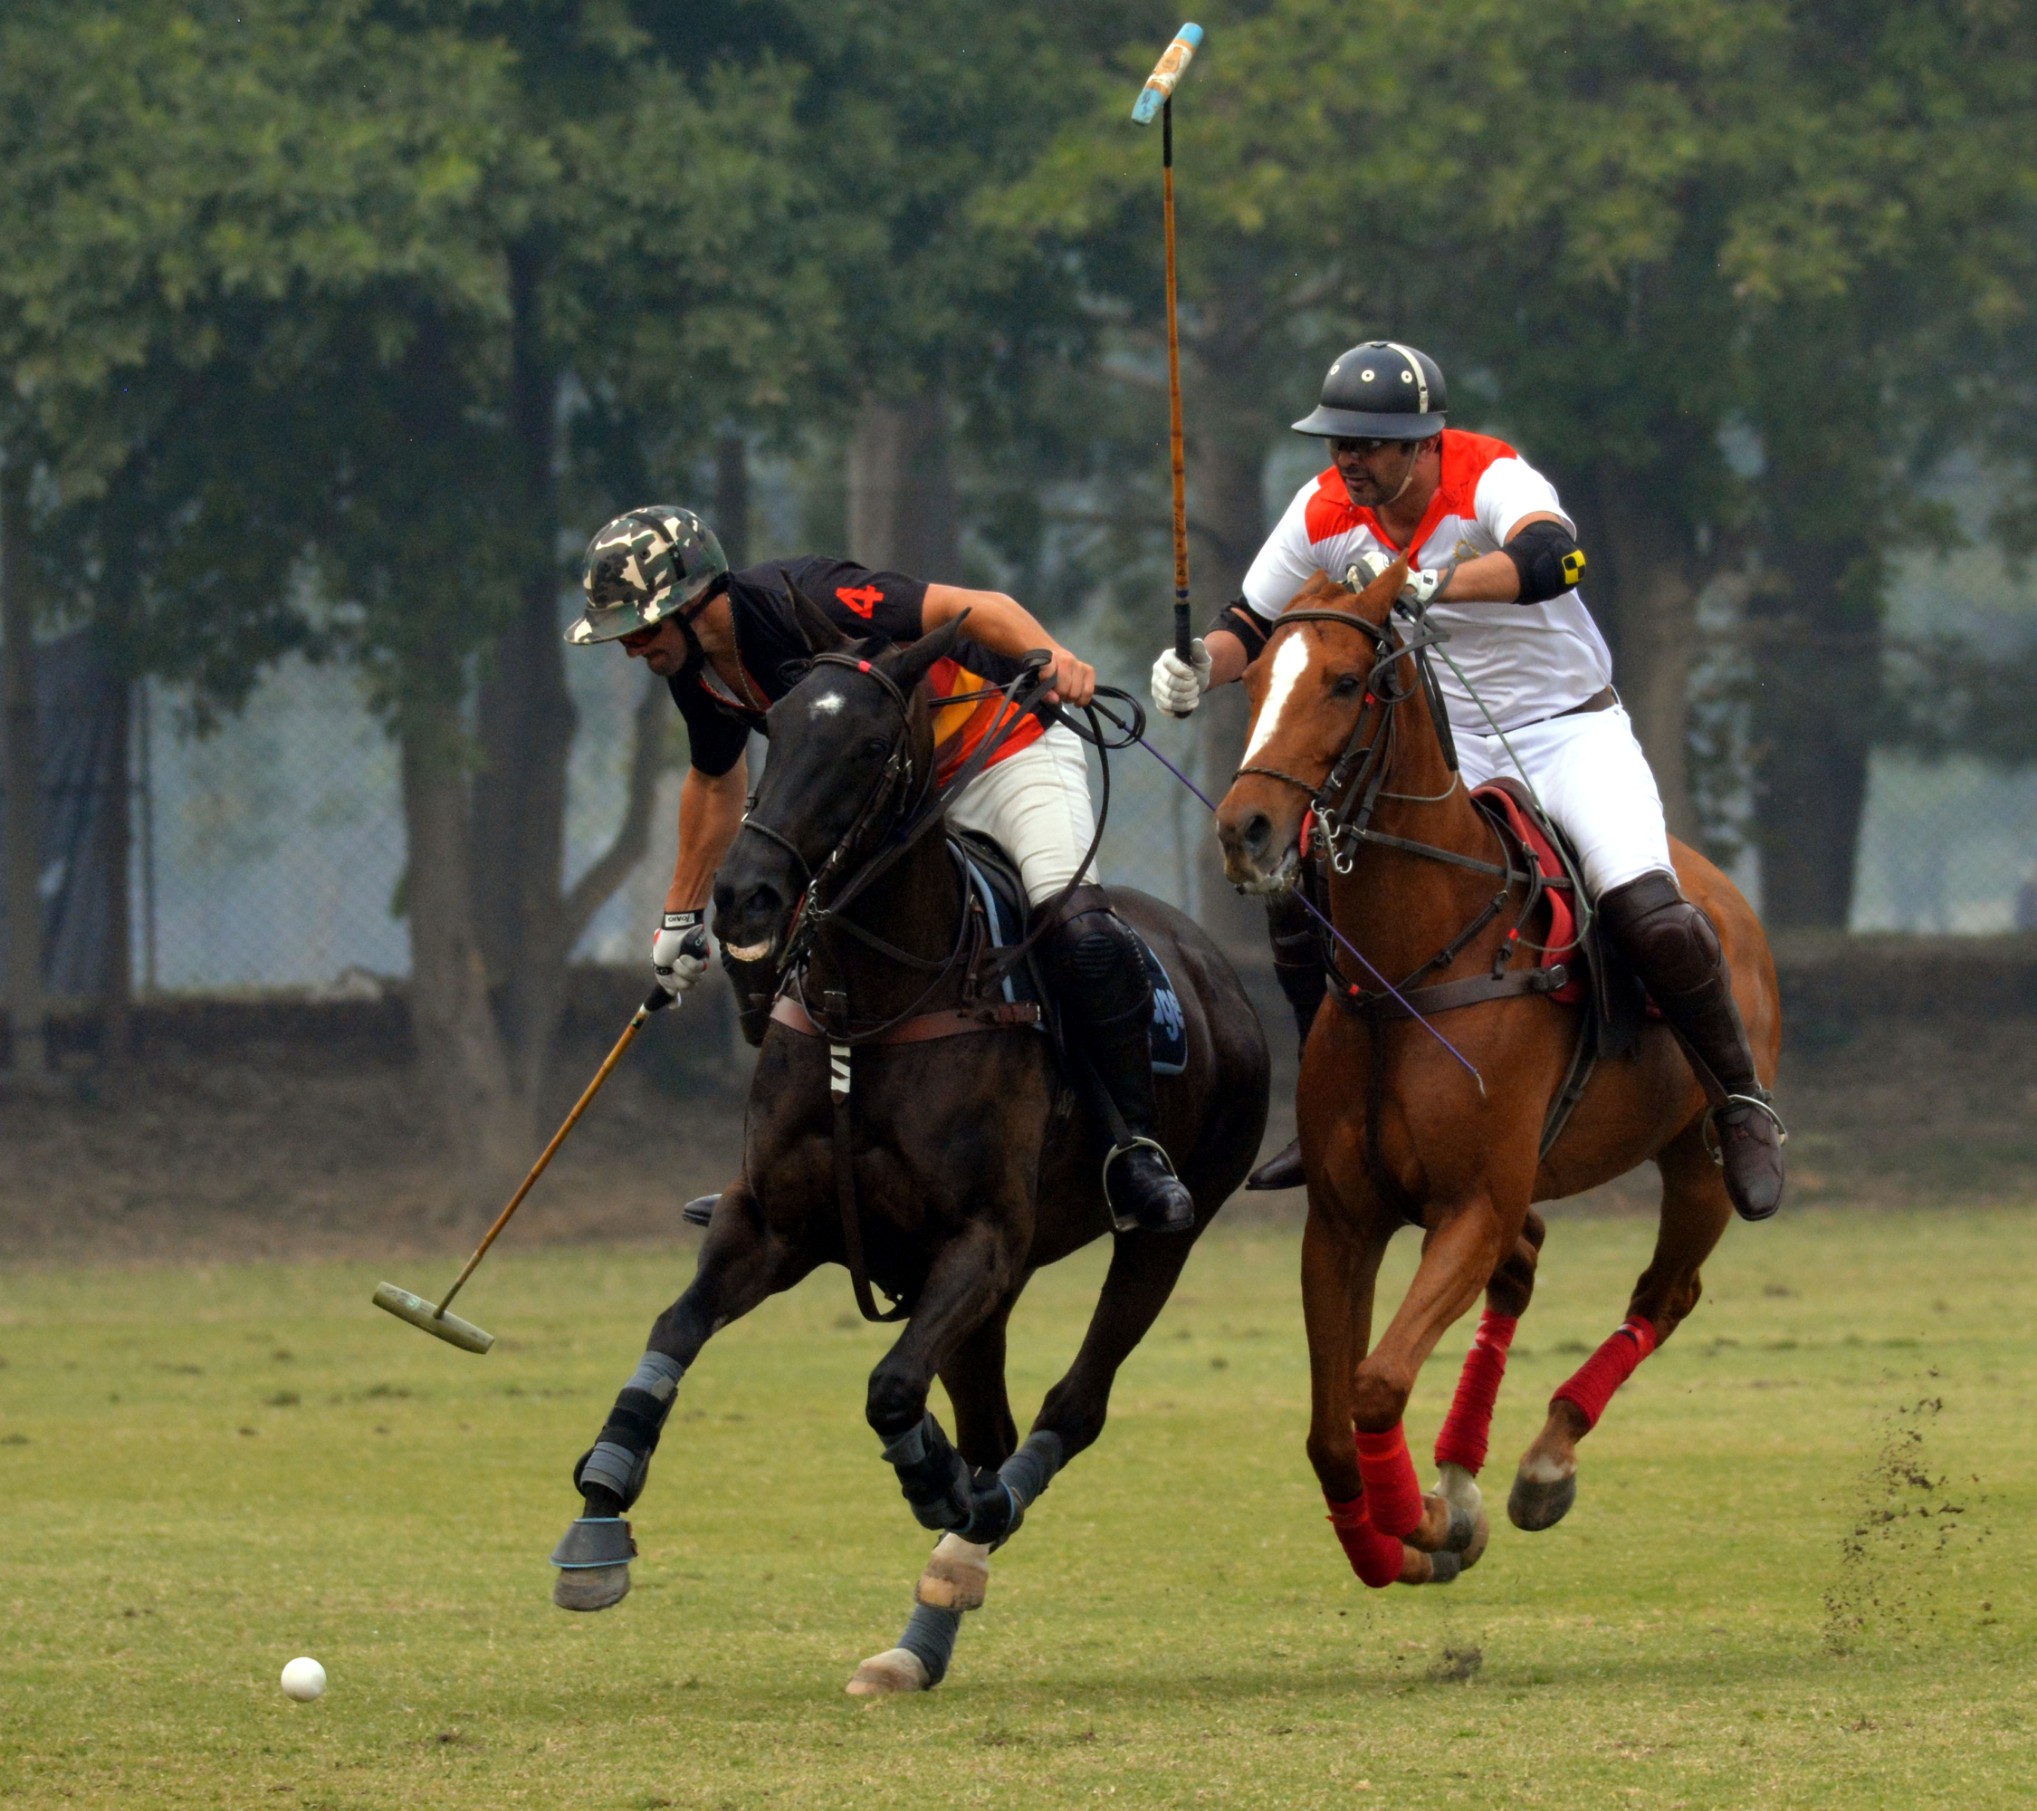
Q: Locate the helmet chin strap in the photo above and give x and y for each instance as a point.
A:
(1407, 477)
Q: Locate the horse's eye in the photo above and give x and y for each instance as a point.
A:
(876, 745)
(1346, 685)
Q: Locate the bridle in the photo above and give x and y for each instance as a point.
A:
(1333, 822)
(1341, 809)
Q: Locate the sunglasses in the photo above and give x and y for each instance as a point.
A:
(1362, 448)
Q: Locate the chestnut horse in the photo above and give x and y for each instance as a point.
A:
(1345, 767)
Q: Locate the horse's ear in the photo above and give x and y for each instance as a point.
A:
(913, 662)
(1386, 587)
(822, 636)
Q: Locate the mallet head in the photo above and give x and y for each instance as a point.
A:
(1160, 85)
(421, 1313)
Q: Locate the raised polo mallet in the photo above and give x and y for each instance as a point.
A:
(450, 1327)
(1158, 97)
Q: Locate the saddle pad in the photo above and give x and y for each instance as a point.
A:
(1169, 1031)
(1562, 946)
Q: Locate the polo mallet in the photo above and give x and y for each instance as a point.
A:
(1158, 97)
(450, 1327)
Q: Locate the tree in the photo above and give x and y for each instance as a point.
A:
(385, 245)
(1630, 231)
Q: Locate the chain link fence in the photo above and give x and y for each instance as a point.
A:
(270, 853)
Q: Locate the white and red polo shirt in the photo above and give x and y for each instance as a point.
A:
(1527, 661)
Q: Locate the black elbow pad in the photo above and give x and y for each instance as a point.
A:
(1240, 619)
(1549, 560)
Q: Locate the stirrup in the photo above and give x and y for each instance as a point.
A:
(1130, 1222)
(1761, 1103)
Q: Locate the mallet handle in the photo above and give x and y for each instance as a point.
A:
(658, 1000)
(1174, 434)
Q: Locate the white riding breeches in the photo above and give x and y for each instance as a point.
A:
(1035, 806)
(1592, 778)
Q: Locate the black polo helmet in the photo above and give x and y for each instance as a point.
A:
(1381, 390)
(646, 565)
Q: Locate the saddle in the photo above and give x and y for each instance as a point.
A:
(999, 896)
(1598, 976)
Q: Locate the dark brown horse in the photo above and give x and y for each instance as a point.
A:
(1395, 1128)
(902, 1124)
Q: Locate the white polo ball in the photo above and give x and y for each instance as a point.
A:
(304, 1679)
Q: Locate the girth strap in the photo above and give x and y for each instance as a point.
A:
(958, 1021)
(1448, 996)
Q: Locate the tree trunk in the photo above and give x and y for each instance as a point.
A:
(1225, 441)
(1643, 587)
(25, 1011)
(526, 722)
(486, 1118)
(732, 496)
(116, 1048)
(1814, 709)
(901, 489)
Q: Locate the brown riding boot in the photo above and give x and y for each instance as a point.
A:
(1676, 953)
(1298, 967)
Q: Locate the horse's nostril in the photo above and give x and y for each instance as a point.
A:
(1256, 834)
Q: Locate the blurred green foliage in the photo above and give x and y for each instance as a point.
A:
(334, 324)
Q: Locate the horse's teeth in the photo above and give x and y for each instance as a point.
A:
(749, 952)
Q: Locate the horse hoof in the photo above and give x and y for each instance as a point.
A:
(591, 1587)
(1469, 1535)
(1537, 1503)
(957, 1576)
(888, 1674)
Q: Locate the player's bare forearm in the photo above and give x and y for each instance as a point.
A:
(1006, 626)
(710, 814)
(1000, 623)
(1227, 660)
(1492, 578)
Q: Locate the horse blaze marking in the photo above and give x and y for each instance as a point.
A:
(828, 704)
(864, 599)
(1288, 666)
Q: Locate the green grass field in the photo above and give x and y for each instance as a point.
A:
(1798, 1573)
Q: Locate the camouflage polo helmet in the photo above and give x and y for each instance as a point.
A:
(646, 565)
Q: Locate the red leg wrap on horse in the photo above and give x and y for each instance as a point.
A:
(1607, 1368)
(1466, 1427)
(1393, 1498)
(1375, 1557)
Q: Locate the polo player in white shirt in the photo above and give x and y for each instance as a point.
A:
(1494, 562)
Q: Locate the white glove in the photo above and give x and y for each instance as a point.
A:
(679, 951)
(1364, 569)
(1178, 685)
(1419, 589)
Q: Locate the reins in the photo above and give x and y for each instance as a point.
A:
(901, 828)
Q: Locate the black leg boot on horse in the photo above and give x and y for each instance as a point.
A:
(1676, 953)
(1298, 967)
(1106, 1000)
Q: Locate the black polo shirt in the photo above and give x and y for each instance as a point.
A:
(773, 652)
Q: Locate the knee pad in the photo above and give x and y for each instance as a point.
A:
(1103, 971)
(1670, 938)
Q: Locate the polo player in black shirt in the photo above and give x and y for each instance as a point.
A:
(728, 644)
